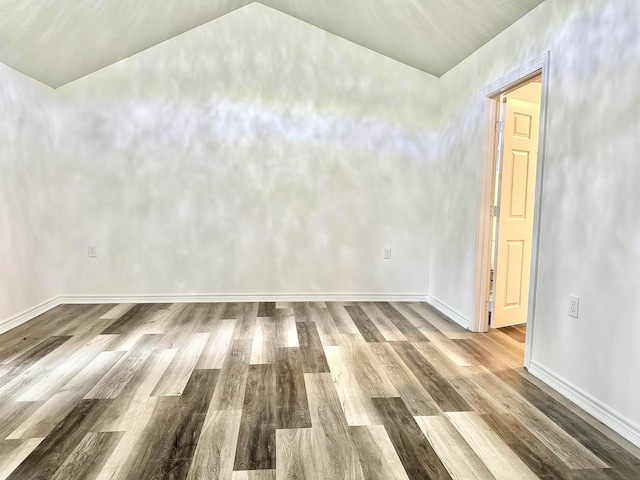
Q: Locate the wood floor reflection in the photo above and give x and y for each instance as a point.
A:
(284, 391)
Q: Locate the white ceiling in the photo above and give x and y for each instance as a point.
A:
(57, 41)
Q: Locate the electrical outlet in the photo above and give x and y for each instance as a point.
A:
(92, 251)
(574, 306)
(387, 253)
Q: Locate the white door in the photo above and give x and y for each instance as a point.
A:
(515, 218)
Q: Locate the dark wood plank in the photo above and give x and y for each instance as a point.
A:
(31, 356)
(89, 456)
(173, 432)
(367, 328)
(256, 447)
(447, 398)
(418, 457)
(313, 357)
(267, 309)
(409, 330)
(517, 333)
(49, 455)
(619, 459)
(292, 407)
(132, 319)
(535, 454)
(231, 311)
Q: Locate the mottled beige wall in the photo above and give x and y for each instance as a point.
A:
(590, 231)
(254, 154)
(28, 207)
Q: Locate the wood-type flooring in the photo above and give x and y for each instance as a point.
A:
(264, 391)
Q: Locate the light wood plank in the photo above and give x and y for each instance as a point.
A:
(501, 461)
(216, 447)
(456, 454)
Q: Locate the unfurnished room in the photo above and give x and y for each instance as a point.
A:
(357, 239)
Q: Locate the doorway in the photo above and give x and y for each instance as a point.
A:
(514, 196)
(513, 158)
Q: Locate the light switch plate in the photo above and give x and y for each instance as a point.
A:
(92, 251)
(387, 253)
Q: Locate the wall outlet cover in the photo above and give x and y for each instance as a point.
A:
(574, 306)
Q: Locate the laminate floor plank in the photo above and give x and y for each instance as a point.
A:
(330, 425)
(229, 394)
(45, 418)
(112, 384)
(131, 404)
(367, 328)
(254, 475)
(409, 388)
(341, 318)
(465, 380)
(116, 312)
(285, 390)
(269, 335)
(448, 327)
(592, 439)
(50, 454)
(458, 457)
(292, 405)
(256, 446)
(247, 314)
(409, 330)
(501, 461)
(266, 309)
(537, 456)
(386, 327)
(329, 333)
(172, 435)
(88, 458)
(378, 458)
(356, 404)
(215, 351)
(14, 452)
(215, 451)
(313, 359)
(31, 356)
(418, 457)
(177, 374)
(447, 398)
(566, 447)
(45, 377)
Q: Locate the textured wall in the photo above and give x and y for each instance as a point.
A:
(28, 236)
(254, 154)
(590, 232)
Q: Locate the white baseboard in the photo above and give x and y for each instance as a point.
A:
(445, 310)
(605, 414)
(23, 317)
(241, 297)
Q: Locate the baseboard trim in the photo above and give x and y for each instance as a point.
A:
(242, 297)
(450, 313)
(28, 314)
(605, 414)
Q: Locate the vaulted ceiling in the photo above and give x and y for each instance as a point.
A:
(58, 41)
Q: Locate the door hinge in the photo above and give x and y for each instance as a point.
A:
(500, 126)
(489, 306)
(494, 211)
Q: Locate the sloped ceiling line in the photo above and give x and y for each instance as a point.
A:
(58, 41)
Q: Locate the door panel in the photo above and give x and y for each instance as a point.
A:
(515, 221)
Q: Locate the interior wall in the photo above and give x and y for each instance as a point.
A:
(28, 211)
(589, 235)
(255, 154)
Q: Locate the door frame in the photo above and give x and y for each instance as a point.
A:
(492, 92)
